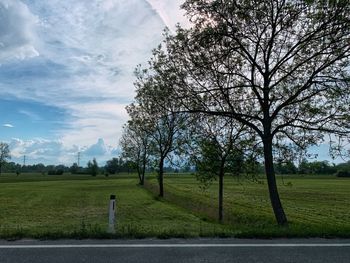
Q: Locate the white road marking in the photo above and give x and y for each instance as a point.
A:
(172, 245)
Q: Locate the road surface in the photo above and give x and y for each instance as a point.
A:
(177, 250)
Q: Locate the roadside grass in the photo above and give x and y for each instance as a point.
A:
(316, 206)
(70, 206)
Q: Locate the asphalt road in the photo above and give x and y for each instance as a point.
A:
(177, 250)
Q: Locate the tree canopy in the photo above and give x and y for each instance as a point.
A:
(4, 154)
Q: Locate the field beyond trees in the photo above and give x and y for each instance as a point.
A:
(76, 206)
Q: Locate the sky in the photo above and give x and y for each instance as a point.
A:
(66, 73)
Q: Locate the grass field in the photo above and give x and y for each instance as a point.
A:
(76, 206)
(316, 206)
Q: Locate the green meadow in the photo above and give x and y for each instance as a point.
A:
(73, 206)
(77, 206)
(316, 206)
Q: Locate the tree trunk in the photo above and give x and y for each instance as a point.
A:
(221, 192)
(160, 177)
(142, 179)
(271, 180)
(139, 173)
(144, 163)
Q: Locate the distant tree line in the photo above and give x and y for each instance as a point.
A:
(113, 166)
(313, 168)
(118, 165)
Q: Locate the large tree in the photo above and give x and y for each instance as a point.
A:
(280, 67)
(4, 154)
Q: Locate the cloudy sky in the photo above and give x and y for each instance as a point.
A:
(66, 72)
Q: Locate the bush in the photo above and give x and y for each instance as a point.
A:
(55, 172)
(343, 174)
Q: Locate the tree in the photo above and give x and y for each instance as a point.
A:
(343, 167)
(4, 154)
(286, 168)
(316, 167)
(93, 167)
(113, 166)
(155, 113)
(220, 146)
(280, 67)
(135, 144)
(74, 169)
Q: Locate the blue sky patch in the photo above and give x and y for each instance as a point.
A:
(29, 119)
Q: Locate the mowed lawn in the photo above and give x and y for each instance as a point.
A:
(43, 206)
(77, 206)
(316, 206)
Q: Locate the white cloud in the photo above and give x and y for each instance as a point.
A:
(16, 31)
(33, 116)
(98, 149)
(169, 11)
(36, 149)
(94, 120)
(7, 125)
(54, 151)
(88, 52)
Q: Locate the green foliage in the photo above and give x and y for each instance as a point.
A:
(212, 161)
(55, 172)
(209, 164)
(74, 169)
(343, 174)
(115, 165)
(317, 167)
(4, 154)
(343, 167)
(92, 167)
(11, 167)
(286, 168)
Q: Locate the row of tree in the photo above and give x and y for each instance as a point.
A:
(316, 167)
(113, 166)
(248, 81)
(208, 162)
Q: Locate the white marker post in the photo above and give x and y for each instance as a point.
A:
(111, 218)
